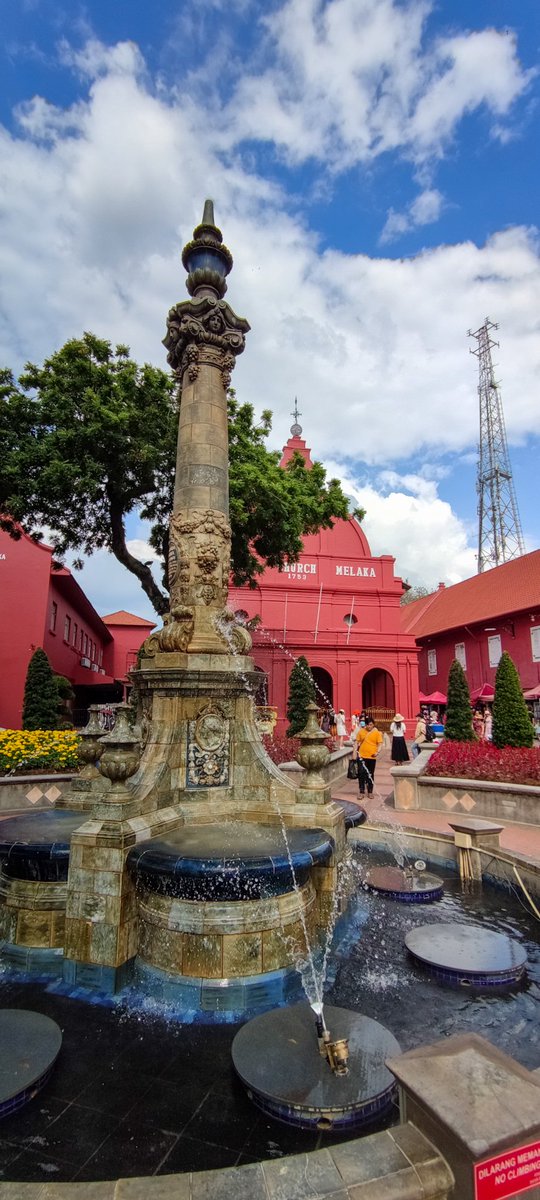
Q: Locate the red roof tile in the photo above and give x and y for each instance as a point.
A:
(510, 588)
(125, 618)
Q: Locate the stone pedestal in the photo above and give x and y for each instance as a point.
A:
(479, 1108)
(470, 836)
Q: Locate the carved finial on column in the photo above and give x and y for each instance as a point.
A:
(206, 258)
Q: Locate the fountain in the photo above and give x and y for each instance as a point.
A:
(181, 874)
(186, 865)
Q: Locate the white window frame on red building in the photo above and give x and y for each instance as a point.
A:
(494, 649)
(461, 654)
(432, 662)
(535, 643)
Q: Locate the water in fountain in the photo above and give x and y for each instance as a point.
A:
(311, 965)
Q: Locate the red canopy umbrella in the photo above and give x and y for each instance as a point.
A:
(533, 693)
(435, 698)
(486, 692)
(422, 698)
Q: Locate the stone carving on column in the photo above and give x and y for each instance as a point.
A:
(199, 558)
(204, 329)
(235, 634)
(208, 748)
(175, 635)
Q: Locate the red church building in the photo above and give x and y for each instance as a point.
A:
(475, 621)
(42, 605)
(339, 606)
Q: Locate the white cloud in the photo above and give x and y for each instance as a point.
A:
(351, 79)
(412, 522)
(423, 210)
(93, 223)
(98, 200)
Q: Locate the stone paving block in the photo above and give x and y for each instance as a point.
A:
(234, 1183)
(404, 1185)
(368, 1158)
(25, 1191)
(302, 1176)
(413, 1143)
(161, 1187)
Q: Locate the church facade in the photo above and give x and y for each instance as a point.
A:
(339, 607)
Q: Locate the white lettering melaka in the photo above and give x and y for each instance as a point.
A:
(366, 572)
(2, 558)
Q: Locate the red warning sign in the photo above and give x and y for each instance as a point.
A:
(509, 1173)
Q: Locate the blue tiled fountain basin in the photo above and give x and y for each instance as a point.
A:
(230, 861)
(36, 845)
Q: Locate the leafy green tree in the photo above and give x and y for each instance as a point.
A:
(415, 593)
(90, 437)
(512, 725)
(301, 693)
(65, 694)
(40, 706)
(458, 727)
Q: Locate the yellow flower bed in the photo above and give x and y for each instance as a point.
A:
(39, 749)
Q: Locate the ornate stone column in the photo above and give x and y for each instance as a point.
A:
(204, 336)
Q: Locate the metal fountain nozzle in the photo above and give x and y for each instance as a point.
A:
(336, 1053)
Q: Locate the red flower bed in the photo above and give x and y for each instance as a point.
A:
(283, 749)
(482, 760)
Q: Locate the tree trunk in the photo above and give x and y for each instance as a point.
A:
(157, 598)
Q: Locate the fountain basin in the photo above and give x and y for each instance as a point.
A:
(398, 884)
(467, 955)
(35, 846)
(224, 913)
(232, 861)
(34, 856)
(353, 813)
(277, 1058)
(30, 1046)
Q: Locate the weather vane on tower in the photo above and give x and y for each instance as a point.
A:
(296, 429)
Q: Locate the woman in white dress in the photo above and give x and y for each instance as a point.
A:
(398, 729)
(341, 728)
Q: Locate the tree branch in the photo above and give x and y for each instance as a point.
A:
(157, 598)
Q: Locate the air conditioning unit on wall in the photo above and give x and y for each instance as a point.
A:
(85, 662)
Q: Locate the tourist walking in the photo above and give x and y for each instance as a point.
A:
(398, 729)
(478, 722)
(341, 728)
(368, 742)
(325, 721)
(420, 734)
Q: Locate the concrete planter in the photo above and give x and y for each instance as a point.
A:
(474, 797)
(32, 791)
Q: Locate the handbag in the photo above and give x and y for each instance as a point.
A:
(352, 769)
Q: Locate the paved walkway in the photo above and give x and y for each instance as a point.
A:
(523, 839)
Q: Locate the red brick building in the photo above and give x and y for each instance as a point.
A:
(339, 606)
(42, 605)
(474, 621)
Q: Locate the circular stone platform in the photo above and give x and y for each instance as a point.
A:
(398, 884)
(277, 1057)
(354, 814)
(232, 861)
(35, 845)
(467, 955)
(30, 1046)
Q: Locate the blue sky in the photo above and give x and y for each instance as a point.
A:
(374, 166)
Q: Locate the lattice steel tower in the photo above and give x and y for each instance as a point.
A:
(499, 529)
